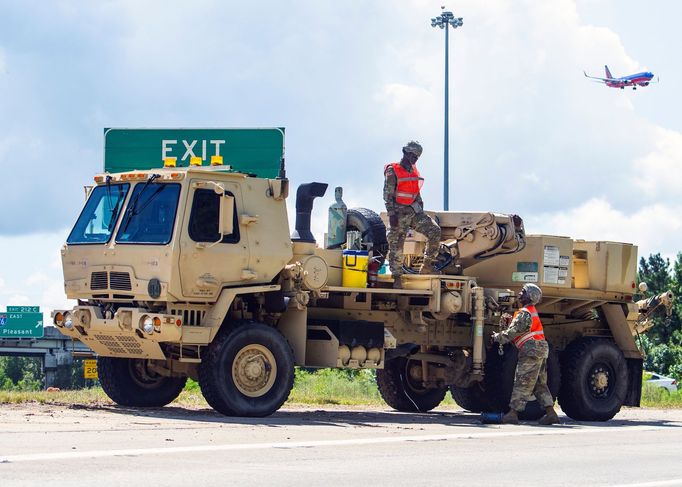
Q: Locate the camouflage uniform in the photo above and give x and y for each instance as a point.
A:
(531, 369)
(409, 217)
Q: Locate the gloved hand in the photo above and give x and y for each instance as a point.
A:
(393, 220)
(495, 337)
(505, 319)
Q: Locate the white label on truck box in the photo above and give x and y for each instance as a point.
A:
(551, 274)
(563, 272)
(551, 255)
(564, 260)
(524, 276)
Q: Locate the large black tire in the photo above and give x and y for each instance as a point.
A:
(595, 380)
(402, 393)
(482, 396)
(369, 224)
(474, 398)
(129, 382)
(248, 370)
(509, 360)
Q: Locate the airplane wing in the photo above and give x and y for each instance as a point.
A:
(596, 77)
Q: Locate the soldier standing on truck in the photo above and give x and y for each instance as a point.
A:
(526, 333)
(405, 208)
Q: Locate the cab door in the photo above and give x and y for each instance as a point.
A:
(207, 262)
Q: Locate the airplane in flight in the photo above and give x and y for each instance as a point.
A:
(640, 79)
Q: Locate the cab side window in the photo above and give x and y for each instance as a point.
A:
(203, 220)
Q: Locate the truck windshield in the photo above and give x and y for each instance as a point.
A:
(98, 218)
(150, 215)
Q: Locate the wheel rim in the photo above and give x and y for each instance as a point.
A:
(142, 375)
(254, 370)
(601, 380)
(413, 377)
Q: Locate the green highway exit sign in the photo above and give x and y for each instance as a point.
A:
(256, 151)
(21, 322)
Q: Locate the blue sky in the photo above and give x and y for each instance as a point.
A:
(351, 82)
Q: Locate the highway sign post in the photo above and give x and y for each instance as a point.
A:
(21, 322)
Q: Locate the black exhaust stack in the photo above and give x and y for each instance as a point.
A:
(305, 195)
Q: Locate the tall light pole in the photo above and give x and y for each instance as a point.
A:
(444, 20)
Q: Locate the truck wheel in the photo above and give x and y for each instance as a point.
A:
(533, 409)
(473, 398)
(247, 370)
(483, 396)
(595, 380)
(130, 382)
(369, 224)
(400, 391)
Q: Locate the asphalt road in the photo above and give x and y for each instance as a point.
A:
(115, 446)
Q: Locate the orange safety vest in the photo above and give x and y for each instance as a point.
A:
(535, 333)
(409, 183)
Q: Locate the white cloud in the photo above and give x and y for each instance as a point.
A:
(415, 105)
(660, 172)
(37, 278)
(19, 300)
(29, 276)
(53, 297)
(652, 228)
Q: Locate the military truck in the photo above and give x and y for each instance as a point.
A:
(192, 272)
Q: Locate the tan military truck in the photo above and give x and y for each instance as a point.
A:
(192, 272)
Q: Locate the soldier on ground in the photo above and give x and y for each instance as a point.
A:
(406, 211)
(526, 333)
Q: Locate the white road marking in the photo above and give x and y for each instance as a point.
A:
(552, 431)
(657, 483)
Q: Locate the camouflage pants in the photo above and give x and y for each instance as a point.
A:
(531, 376)
(419, 222)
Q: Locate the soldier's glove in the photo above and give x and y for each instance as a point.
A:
(393, 220)
(505, 320)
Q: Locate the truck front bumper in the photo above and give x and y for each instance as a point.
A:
(129, 333)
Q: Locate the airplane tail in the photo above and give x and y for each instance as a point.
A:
(608, 73)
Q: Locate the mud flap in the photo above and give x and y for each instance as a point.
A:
(635, 368)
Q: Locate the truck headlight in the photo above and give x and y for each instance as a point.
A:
(147, 324)
(68, 321)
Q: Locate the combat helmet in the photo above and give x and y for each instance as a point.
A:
(532, 292)
(413, 147)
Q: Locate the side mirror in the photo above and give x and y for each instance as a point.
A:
(226, 212)
(226, 218)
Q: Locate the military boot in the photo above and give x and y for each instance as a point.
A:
(427, 267)
(512, 417)
(397, 282)
(550, 417)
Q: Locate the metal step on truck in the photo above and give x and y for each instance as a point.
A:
(183, 265)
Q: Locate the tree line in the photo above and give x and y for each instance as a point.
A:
(662, 344)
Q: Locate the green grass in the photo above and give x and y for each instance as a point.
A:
(658, 397)
(329, 386)
(93, 396)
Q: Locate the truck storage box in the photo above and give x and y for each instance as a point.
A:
(605, 266)
(546, 261)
